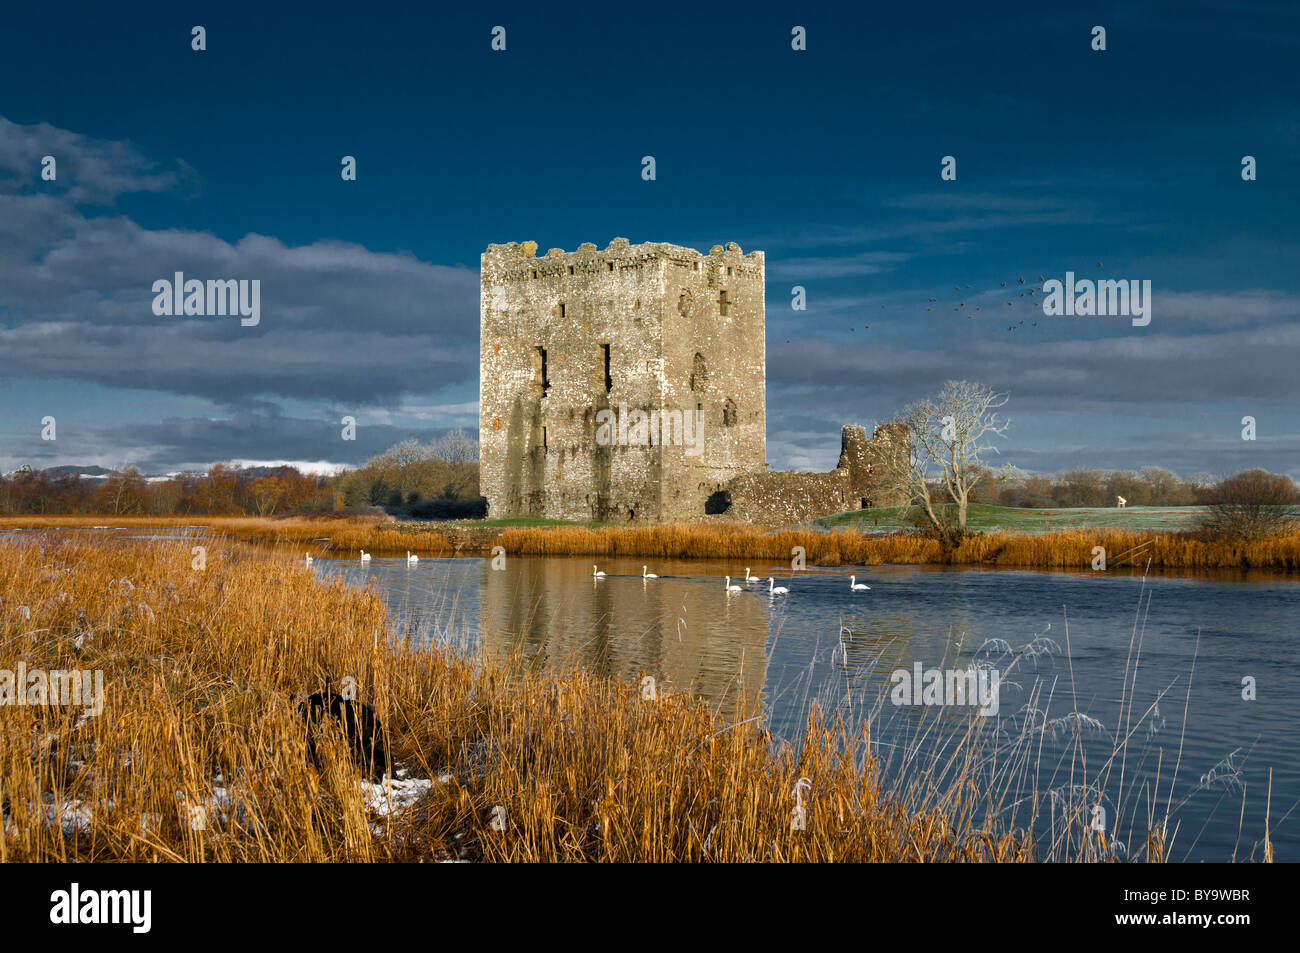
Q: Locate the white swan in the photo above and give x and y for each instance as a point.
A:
(365, 556)
(748, 577)
(411, 560)
(854, 584)
(774, 589)
(308, 556)
(596, 572)
(647, 575)
(730, 587)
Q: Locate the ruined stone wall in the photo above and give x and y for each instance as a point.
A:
(886, 459)
(569, 335)
(779, 498)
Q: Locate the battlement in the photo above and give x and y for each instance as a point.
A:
(517, 261)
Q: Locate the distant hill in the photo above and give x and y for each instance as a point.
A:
(69, 470)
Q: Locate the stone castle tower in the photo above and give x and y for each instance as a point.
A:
(661, 345)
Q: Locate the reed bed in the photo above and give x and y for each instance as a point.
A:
(344, 536)
(498, 762)
(1068, 549)
(1072, 549)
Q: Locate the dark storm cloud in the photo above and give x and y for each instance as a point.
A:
(76, 294)
(1117, 372)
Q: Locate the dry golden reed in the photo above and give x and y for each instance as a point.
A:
(338, 538)
(1071, 549)
(1067, 549)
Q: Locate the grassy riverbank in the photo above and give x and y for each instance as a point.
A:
(986, 518)
(1072, 549)
(1061, 549)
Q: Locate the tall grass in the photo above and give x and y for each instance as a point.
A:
(1068, 549)
(332, 537)
(201, 670)
(1072, 549)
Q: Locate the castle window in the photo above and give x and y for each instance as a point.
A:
(570, 269)
(610, 264)
(729, 413)
(609, 380)
(540, 375)
(723, 303)
(729, 271)
(534, 272)
(699, 373)
(543, 440)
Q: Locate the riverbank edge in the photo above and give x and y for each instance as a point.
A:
(1088, 549)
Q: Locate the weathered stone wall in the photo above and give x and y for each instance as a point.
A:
(778, 498)
(715, 363)
(569, 335)
(885, 456)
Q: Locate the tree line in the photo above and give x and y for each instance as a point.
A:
(444, 471)
(222, 491)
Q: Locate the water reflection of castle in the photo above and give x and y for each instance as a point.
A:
(684, 631)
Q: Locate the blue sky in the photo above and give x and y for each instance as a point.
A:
(225, 163)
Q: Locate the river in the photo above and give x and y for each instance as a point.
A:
(1111, 657)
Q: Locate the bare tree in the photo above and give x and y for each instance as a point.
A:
(945, 436)
(1251, 504)
(456, 446)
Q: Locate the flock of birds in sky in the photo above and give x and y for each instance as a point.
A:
(1027, 297)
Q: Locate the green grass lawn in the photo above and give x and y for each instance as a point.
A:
(983, 517)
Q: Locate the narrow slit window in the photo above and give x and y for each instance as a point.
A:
(541, 374)
(609, 380)
(699, 372)
(723, 303)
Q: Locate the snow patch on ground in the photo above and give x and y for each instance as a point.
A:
(394, 794)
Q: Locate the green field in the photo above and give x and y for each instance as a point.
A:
(982, 517)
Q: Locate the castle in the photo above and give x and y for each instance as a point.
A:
(629, 385)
